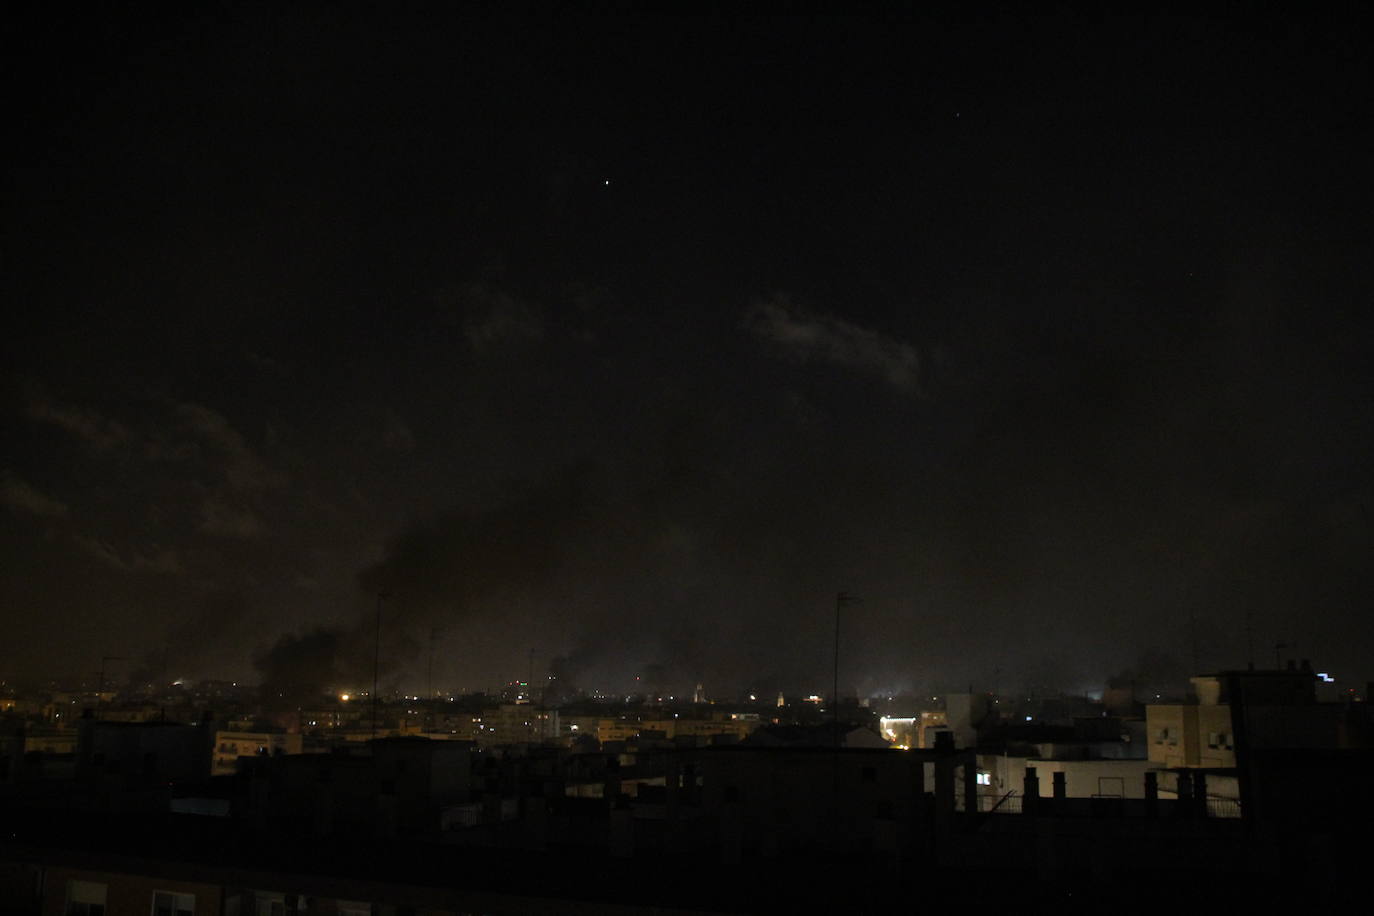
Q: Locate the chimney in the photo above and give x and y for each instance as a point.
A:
(1030, 791)
(1185, 792)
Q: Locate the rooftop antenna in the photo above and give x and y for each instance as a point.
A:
(377, 661)
(429, 674)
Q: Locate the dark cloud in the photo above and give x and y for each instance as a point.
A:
(19, 496)
(218, 518)
(97, 431)
(492, 318)
(155, 560)
(805, 336)
(243, 469)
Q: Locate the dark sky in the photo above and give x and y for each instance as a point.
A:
(636, 339)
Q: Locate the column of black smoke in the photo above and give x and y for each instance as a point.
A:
(435, 574)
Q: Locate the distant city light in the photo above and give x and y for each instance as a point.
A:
(1326, 678)
(345, 697)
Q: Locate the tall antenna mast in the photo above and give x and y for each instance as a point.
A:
(429, 685)
(429, 675)
(377, 661)
(842, 599)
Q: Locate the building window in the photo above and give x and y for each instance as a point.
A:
(166, 903)
(984, 779)
(85, 898)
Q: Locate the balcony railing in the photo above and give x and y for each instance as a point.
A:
(1223, 807)
(1004, 804)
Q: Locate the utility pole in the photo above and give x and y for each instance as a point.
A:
(377, 661)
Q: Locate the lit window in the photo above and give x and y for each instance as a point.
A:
(984, 779)
(166, 903)
(85, 898)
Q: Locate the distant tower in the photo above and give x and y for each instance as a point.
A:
(699, 695)
(781, 702)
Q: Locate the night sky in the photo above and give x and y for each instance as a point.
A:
(635, 340)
